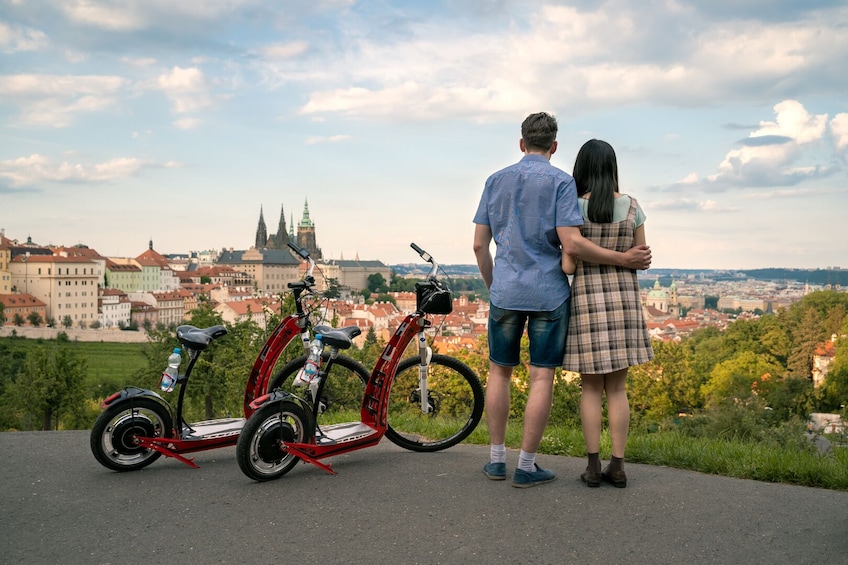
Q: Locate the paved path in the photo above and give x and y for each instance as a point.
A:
(387, 505)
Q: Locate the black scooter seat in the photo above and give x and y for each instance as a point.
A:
(199, 339)
(341, 337)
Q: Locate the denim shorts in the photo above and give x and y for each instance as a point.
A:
(545, 330)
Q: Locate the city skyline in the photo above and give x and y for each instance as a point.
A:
(130, 121)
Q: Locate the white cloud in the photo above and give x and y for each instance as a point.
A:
(31, 170)
(187, 89)
(774, 163)
(131, 15)
(670, 57)
(794, 121)
(186, 123)
(691, 205)
(314, 140)
(99, 14)
(15, 38)
(287, 50)
(839, 131)
(138, 61)
(56, 100)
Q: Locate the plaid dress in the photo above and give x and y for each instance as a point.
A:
(606, 331)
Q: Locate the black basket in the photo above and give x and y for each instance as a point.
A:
(432, 299)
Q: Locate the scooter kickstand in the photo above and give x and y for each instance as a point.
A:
(307, 458)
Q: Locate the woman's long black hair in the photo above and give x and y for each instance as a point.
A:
(596, 171)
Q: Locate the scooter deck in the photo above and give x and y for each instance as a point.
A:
(343, 433)
(213, 429)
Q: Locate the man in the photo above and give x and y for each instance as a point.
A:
(530, 210)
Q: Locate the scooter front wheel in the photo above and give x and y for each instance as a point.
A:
(260, 451)
(114, 434)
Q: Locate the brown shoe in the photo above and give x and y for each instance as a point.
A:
(616, 478)
(591, 477)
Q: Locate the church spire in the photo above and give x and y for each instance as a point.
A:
(281, 238)
(305, 222)
(261, 231)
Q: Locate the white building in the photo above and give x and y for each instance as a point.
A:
(113, 308)
(66, 285)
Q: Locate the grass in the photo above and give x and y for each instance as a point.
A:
(727, 457)
(109, 365)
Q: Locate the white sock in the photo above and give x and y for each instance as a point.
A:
(497, 453)
(526, 461)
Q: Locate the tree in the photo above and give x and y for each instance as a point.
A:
(67, 321)
(805, 337)
(401, 284)
(666, 386)
(835, 386)
(2, 313)
(735, 377)
(18, 320)
(333, 290)
(35, 318)
(377, 284)
(50, 387)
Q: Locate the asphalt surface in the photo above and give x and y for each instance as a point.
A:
(388, 505)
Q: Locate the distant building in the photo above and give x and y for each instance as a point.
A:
(822, 359)
(169, 306)
(306, 234)
(66, 285)
(279, 240)
(253, 309)
(113, 308)
(84, 252)
(123, 274)
(5, 257)
(270, 270)
(353, 275)
(156, 272)
(22, 305)
(738, 303)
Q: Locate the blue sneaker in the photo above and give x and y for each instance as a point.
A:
(495, 471)
(525, 479)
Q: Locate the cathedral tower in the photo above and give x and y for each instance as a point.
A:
(306, 234)
(261, 232)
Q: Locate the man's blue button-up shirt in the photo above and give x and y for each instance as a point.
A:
(523, 204)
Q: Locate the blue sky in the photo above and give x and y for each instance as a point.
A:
(128, 120)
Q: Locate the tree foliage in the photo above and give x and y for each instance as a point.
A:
(49, 390)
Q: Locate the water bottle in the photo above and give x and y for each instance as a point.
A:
(169, 377)
(313, 363)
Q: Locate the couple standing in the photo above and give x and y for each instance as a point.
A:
(535, 213)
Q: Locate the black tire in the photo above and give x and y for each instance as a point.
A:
(260, 452)
(343, 389)
(455, 397)
(114, 432)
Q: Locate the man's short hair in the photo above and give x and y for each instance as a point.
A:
(539, 131)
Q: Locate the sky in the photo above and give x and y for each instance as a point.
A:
(126, 121)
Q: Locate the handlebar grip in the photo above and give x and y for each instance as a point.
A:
(424, 255)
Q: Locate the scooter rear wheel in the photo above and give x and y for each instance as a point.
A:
(260, 451)
(113, 436)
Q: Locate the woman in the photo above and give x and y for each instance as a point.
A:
(607, 331)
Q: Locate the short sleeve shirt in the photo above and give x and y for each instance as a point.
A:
(620, 210)
(523, 205)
